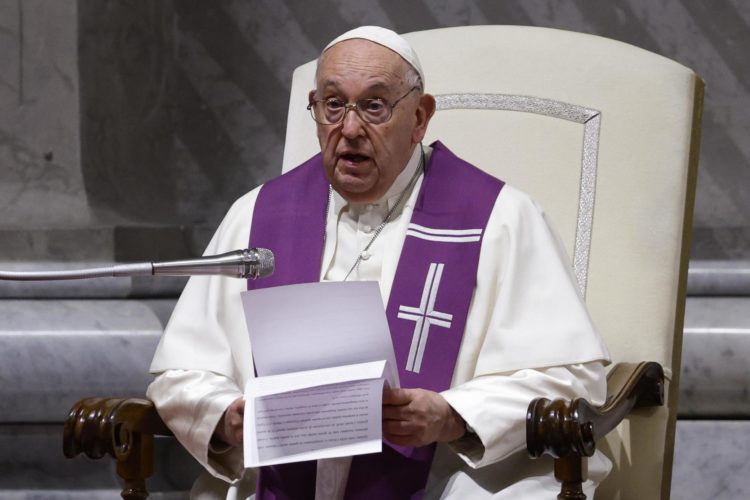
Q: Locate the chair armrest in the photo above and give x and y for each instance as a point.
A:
(569, 430)
(122, 428)
(561, 427)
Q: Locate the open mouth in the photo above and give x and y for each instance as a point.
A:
(354, 158)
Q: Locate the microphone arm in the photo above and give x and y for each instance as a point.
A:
(248, 263)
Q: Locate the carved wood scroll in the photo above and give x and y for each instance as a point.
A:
(121, 428)
(568, 430)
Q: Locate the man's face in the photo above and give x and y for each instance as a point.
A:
(362, 159)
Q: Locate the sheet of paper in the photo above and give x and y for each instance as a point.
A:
(325, 413)
(318, 325)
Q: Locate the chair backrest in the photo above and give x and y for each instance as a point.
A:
(604, 136)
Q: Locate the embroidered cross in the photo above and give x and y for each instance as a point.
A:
(424, 316)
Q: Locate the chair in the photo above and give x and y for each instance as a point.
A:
(605, 137)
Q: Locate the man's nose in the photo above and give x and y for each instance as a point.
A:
(352, 125)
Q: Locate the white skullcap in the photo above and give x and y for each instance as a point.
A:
(388, 39)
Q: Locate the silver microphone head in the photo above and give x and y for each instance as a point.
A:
(247, 263)
(261, 263)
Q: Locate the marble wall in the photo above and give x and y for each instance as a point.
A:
(41, 181)
(124, 116)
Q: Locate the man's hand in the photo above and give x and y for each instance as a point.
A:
(417, 417)
(229, 428)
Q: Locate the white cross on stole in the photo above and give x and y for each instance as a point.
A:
(424, 316)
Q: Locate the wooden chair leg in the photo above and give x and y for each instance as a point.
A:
(135, 465)
(569, 471)
(121, 428)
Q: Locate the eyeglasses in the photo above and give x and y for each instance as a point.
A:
(332, 111)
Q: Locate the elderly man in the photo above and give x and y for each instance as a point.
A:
(376, 204)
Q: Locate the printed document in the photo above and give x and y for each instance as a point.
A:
(322, 354)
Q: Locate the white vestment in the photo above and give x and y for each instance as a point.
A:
(526, 299)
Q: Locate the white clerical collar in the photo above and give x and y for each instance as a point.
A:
(392, 195)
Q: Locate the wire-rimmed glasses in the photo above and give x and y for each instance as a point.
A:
(332, 111)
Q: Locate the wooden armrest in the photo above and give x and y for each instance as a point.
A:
(560, 427)
(568, 431)
(121, 428)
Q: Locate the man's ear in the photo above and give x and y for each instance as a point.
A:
(425, 110)
(311, 97)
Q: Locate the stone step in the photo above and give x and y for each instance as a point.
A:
(123, 287)
(85, 247)
(32, 455)
(55, 352)
(719, 277)
(714, 380)
(710, 463)
(710, 460)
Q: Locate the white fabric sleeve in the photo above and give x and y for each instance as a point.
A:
(191, 402)
(527, 310)
(207, 329)
(203, 357)
(528, 334)
(495, 405)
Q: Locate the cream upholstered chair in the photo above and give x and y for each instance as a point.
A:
(604, 136)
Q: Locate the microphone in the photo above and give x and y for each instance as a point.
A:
(247, 263)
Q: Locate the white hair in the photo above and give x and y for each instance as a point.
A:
(413, 79)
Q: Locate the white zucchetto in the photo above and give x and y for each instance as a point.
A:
(388, 39)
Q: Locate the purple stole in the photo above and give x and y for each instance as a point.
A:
(426, 311)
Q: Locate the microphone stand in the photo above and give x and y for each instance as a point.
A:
(250, 263)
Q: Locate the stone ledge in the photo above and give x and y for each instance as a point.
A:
(719, 277)
(106, 243)
(33, 455)
(53, 353)
(84, 247)
(94, 288)
(716, 346)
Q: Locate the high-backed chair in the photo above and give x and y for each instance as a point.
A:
(604, 136)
